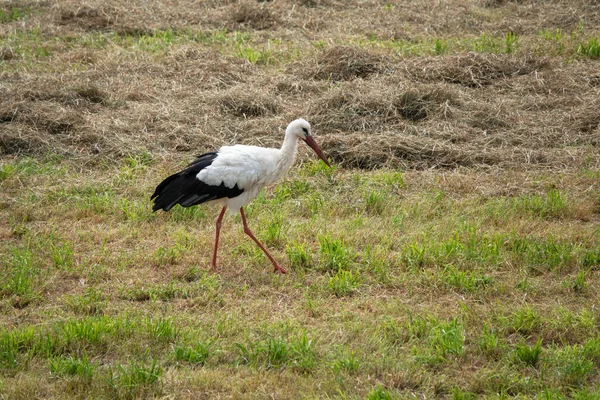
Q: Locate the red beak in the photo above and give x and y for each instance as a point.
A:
(313, 145)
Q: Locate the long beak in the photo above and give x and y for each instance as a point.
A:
(313, 145)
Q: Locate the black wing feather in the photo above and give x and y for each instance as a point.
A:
(185, 189)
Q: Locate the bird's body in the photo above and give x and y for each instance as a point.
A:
(233, 176)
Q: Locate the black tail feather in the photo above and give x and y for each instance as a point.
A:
(186, 189)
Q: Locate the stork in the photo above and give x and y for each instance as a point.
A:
(232, 177)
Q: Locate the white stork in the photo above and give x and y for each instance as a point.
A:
(233, 176)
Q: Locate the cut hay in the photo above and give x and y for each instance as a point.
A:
(412, 152)
(247, 104)
(207, 70)
(343, 63)
(359, 106)
(86, 17)
(473, 70)
(250, 15)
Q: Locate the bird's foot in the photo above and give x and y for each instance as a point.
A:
(280, 269)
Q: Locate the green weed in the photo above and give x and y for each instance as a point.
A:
(489, 342)
(346, 362)
(415, 256)
(13, 14)
(591, 259)
(273, 352)
(375, 202)
(570, 366)
(98, 199)
(528, 355)
(391, 178)
(589, 49)
(334, 254)
(549, 254)
(135, 210)
(28, 166)
(20, 277)
(291, 189)
(486, 44)
(556, 37)
(15, 345)
(162, 330)
(512, 42)
(7, 170)
(256, 56)
(299, 256)
(61, 255)
(167, 255)
(459, 394)
(139, 161)
(379, 394)
(273, 232)
(440, 46)
(418, 326)
(392, 332)
(551, 204)
(134, 379)
(316, 168)
(435, 341)
(579, 284)
(69, 366)
(466, 281)
(89, 335)
(591, 349)
(344, 283)
(91, 302)
(182, 214)
(197, 354)
(447, 338)
(524, 321)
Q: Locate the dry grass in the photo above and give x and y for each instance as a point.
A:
(474, 70)
(342, 63)
(446, 100)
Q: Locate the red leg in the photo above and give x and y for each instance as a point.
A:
(247, 230)
(214, 261)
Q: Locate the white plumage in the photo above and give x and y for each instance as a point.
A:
(233, 176)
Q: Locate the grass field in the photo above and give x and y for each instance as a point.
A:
(451, 251)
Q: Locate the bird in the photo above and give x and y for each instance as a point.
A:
(233, 176)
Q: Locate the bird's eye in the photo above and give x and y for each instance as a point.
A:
(305, 131)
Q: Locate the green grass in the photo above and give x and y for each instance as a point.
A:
(296, 353)
(134, 379)
(13, 14)
(196, 354)
(528, 355)
(336, 256)
(589, 49)
(91, 302)
(67, 366)
(129, 318)
(344, 283)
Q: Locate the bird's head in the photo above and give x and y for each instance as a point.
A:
(301, 128)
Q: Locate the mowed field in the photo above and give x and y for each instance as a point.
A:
(451, 251)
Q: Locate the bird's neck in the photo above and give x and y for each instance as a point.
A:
(289, 149)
